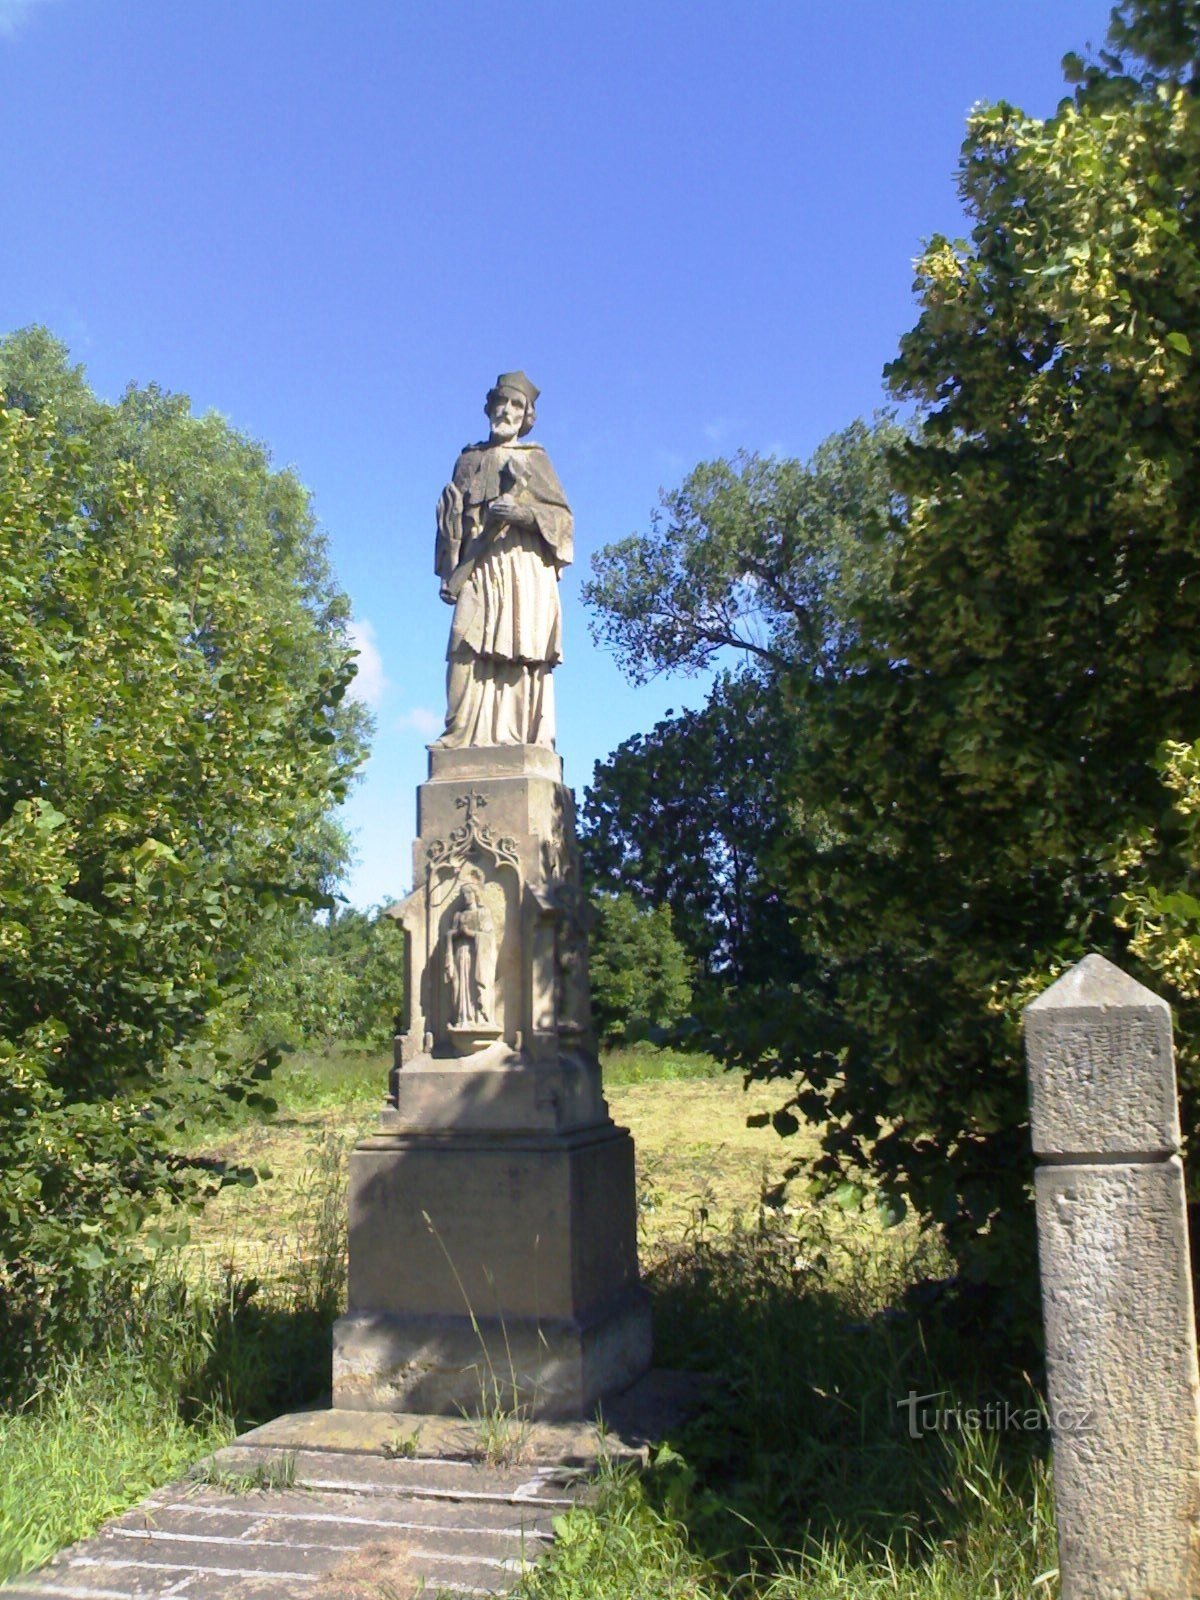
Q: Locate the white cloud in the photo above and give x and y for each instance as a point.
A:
(13, 13)
(371, 681)
(718, 429)
(422, 720)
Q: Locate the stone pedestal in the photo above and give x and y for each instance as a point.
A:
(493, 1256)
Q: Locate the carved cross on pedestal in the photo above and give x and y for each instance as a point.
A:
(470, 801)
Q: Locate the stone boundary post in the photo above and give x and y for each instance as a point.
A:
(1124, 1393)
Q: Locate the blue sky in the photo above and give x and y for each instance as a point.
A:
(692, 223)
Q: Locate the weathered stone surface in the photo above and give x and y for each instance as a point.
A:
(524, 1228)
(524, 791)
(493, 1245)
(390, 1512)
(536, 1368)
(494, 761)
(327, 1472)
(651, 1409)
(1124, 1387)
(491, 1270)
(1101, 1069)
(510, 833)
(504, 534)
(1121, 1357)
(496, 1092)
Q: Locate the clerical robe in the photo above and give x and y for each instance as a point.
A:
(506, 635)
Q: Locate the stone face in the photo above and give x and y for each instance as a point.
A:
(506, 840)
(494, 1091)
(1121, 1358)
(546, 1368)
(490, 1272)
(1101, 1069)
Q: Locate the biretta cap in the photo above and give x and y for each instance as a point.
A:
(519, 382)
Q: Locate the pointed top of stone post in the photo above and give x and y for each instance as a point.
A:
(1096, 983)
(1101, 1066)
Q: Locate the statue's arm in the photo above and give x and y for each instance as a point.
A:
(552, 514)
(449, 531)
(557, 528)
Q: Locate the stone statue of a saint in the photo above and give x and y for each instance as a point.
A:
(469, 960)
(504, 534)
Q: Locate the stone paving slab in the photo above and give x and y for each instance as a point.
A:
(375, 1433)
(469, 1530)
(195, 1509)
(315, 1505)
(422, 1478)
(338, 1525)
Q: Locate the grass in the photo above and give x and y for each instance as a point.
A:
(798, 1482)
(92, 1444)
(279, 1473)
(648, 1063)
(339, 1078)
(189, 1356)
(635, 1543)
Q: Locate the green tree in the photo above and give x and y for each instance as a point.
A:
(968, 777)
(687, 816)
(639, 970)
(169, 756)
(772, 560)
(232, 512)
(335, 977)
(996, 744)
(1039, 640)
(769, 558)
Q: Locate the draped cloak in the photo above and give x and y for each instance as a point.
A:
(506, 605)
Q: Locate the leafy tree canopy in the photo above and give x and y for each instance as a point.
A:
(173, 738)
(761, 556)
(1036, 644)
(686, 815)
(967, 776)
(639, 970)
(337, 977)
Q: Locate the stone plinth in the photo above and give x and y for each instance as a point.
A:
(1124, 1390)
(493, 1256)
(497, 1269)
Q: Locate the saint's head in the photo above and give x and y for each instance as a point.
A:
(511, 407)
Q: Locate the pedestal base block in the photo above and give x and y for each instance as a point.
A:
(493, 1224)
(543, 1370)
(494, 1091)
(491, 1269)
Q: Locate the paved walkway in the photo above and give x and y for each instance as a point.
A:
(357, 1506)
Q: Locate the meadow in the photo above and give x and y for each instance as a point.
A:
(800, 1479)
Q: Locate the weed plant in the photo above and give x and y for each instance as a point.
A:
(178, 1363)
(800, 1479)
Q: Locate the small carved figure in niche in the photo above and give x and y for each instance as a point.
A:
(469, 959)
